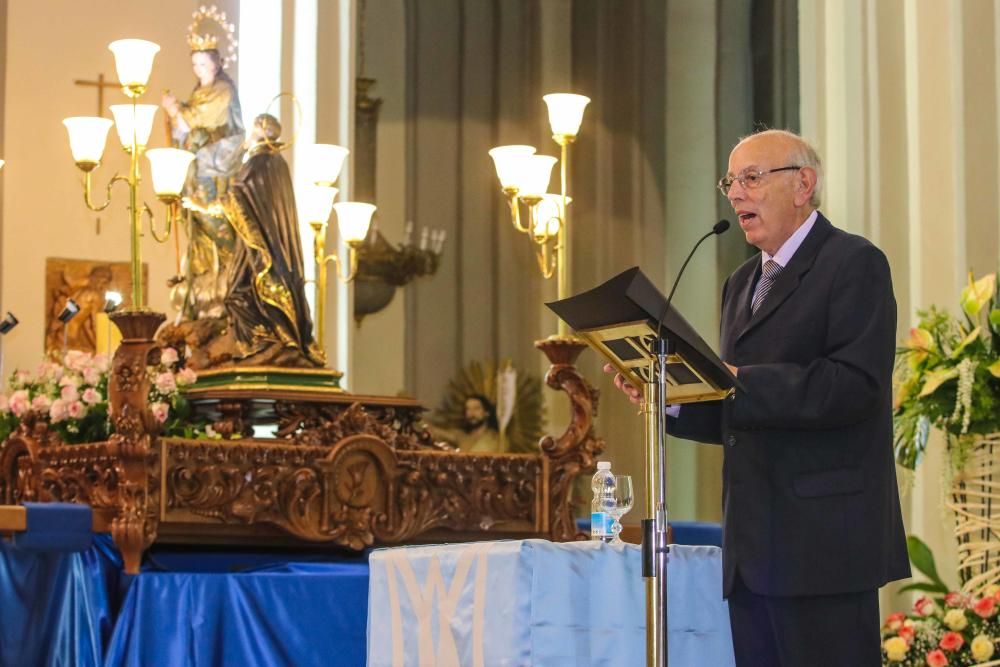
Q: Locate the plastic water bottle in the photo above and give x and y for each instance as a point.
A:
(601, 508)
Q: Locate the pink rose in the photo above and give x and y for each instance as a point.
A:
(76, 410)
(185, 377)
(924, 606)
(19, 403)
(168, 356)
(985, 608)
(951, 641)
(895, 621)
(937, 658)
(22, 377)
(102, 363)
(165, 383)
(41, 403)
(160, 411)
(69, 393)
(77, 360)
(907, 632)
(91, 375)
(91, 396)
(58, 411)
(49, 371)
(954, 599)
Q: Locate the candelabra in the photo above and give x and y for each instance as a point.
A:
(384, 266)
(353, 219)
(524, 179)
(169, 166)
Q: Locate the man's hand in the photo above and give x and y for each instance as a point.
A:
(633, 393)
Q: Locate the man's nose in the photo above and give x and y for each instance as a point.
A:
(736, 191)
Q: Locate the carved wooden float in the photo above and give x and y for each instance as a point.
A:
(343, 470)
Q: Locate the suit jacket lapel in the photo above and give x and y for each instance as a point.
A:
(790, 277)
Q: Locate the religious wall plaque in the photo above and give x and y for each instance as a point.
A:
(87, 283)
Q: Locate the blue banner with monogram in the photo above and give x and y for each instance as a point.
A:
(534, 602)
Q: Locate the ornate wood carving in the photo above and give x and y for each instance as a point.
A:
(349, 471)
(134, 526)
(573, 452)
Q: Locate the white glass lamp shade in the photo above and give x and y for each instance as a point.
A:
(353, 219)
(142, 123)
(134, 62)
(565, 112)
(509, 162)
(316, 202)
(169, 168)
(324, 162)
(536, 170)
(87, 136)
(548, 212)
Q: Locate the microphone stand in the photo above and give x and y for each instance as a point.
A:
(655, 550)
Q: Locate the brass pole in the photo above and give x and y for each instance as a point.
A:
(134, 219)
(562, 239)
(654, 646)
(319, 251)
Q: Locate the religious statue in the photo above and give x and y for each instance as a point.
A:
(490, 407)
(266, 298)
(480, 430)
(210, 125)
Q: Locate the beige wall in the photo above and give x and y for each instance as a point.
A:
(49, 44)
(901, 98)
(47, 217)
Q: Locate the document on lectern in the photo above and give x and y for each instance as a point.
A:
(619, 319)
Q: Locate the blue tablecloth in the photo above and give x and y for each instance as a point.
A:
(185, 608)
(533, 602)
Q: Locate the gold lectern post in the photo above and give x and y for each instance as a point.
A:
(629, 322)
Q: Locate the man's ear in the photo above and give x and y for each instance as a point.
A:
(805, 185)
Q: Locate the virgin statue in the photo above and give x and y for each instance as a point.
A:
(266, 299)
(210, 125)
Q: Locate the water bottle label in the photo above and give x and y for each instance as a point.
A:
(600, 524)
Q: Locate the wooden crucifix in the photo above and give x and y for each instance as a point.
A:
(100, 84)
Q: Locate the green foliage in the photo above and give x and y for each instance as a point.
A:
(946, 375)
(923, 560)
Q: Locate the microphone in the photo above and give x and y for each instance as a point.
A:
(718, 228)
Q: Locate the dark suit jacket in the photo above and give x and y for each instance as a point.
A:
(810, 504)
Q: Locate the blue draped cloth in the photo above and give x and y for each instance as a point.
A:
(534, 602)
(185, 608)
(58, 609)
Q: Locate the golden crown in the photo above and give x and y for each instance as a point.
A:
(201, 40)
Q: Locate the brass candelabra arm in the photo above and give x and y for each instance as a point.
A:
(352, 264)
(548, 261)
(542, 231)
(515, 210)
(88, 190)
(173, 216)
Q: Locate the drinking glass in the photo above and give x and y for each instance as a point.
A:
(623, 503)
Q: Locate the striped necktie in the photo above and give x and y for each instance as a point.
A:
(767, 277)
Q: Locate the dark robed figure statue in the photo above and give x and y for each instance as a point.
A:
(266, 300)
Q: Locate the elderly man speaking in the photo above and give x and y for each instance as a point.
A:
(811, 518)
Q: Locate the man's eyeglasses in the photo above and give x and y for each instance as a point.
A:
(748, 178)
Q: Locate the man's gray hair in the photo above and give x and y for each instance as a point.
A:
(802, 154)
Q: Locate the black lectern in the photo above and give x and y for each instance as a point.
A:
(629, 322)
